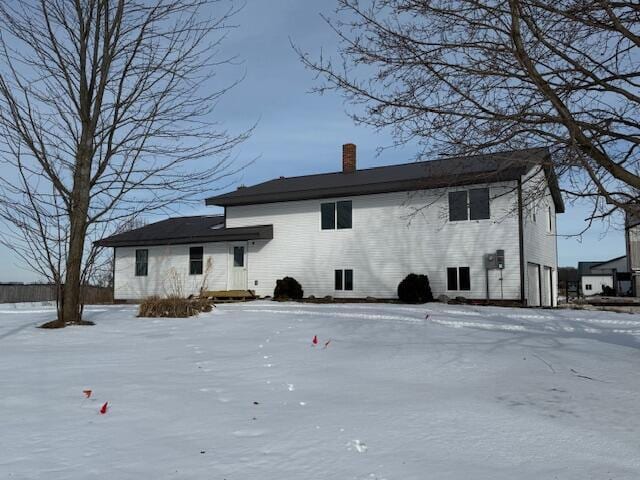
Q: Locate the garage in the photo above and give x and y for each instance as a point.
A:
(547, 288)
(533, 285)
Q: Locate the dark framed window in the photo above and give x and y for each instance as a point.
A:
(328, 214)
(343, 210)
(338, 280)
(458, 206)
(336, 215)
(588, 286)
(196, 255)
(452, 278)
(464, 278)
(348, 279)
(142, 263)
(238, 256)
(458, 278)
(479, 204)
(343, 280)
(550, 219)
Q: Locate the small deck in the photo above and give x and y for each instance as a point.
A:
(228, 296)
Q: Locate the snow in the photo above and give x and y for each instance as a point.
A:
(400, 392)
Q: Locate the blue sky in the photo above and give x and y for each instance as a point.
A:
(301, 133)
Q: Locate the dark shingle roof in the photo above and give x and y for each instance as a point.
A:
(444, 172)
(182, 230)
(584, 268)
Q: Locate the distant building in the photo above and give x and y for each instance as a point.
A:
(632, 237)
(613, 274)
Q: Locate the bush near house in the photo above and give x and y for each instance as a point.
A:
(173, 307)
(415, 289)
(288, 288)
(607, 291)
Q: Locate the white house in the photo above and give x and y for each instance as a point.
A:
(481, 227)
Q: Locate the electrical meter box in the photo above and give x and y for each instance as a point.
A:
(494, 261)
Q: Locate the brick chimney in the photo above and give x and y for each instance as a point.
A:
(348, 158)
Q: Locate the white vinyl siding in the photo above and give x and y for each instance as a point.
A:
(168, 271)
(596, 282)
(540, 243)
(392, 235)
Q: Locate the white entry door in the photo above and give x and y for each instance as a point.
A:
(238, 266)
(533, 284)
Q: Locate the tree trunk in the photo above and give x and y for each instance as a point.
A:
(71, 311)
(71, 292)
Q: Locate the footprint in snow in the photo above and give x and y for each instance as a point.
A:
(357, 445)
(290, 387)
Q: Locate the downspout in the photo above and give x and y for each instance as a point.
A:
(113, 276)
(554, 298)
(521, 242)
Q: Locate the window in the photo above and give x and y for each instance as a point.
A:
(458, 278)
(344, 279)
(458, 206)
(469, 205)
(328, 213)
(142, 263)
(348, 279)
(479, 204)
(588, 286)
(238, 256)
(344, 214)
(534, 213)
(549, 220)
(452, 279)
(195, 260)
(336, 215)
(464, 278)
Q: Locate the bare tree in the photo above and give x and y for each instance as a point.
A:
(105, 112)
(471, 76)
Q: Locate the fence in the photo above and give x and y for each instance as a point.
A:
(16, 293)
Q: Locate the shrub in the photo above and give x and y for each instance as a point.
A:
(607, 291)
(288, 288)
(173, 307)
(415, 289)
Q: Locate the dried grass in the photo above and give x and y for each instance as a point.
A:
(173, 307)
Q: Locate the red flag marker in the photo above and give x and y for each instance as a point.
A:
(327, 343)
(103, 409)
(87, 393)
(315, 340)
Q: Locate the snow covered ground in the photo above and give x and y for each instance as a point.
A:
(240, 393)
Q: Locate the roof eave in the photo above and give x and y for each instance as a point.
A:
(368, 189)
(257, 232)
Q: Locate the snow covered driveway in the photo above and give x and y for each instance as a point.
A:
(241, 393)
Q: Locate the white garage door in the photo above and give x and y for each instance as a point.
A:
(546, 287)
(533, 284)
